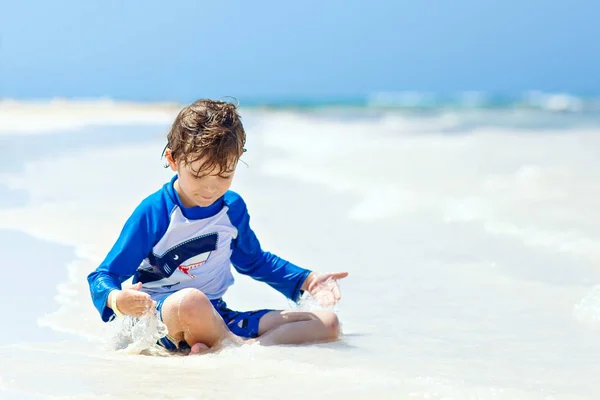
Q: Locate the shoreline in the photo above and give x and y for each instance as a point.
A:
(30, 285)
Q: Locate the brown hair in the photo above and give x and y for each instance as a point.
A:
(209, 129)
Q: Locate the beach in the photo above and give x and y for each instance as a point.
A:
(471, 239)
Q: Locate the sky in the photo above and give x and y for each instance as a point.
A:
(158, 50)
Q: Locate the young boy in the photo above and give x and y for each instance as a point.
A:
(180, 242)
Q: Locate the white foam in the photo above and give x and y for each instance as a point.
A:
(587, 311)
(467, 255)
(555, 101)
(493, 176)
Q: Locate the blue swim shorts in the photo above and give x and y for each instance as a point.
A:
(243, 324)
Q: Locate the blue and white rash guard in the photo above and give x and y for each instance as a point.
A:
(169, 247)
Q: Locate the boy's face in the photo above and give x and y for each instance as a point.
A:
(199, 189)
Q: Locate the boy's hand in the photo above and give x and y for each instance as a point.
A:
(324, 287)
(132, 302)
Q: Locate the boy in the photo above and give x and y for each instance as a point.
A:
(180, 242)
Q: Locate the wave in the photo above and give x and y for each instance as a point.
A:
(402, 100)
(534, 100)
(415, 100)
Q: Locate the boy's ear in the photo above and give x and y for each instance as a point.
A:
(170, 159)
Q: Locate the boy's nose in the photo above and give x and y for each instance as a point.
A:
(211, 188)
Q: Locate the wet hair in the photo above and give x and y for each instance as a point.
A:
(211, 130)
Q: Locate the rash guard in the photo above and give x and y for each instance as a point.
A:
(167, 247)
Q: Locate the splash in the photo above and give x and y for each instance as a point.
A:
(135, 335)
(307, 302)
(587, 311)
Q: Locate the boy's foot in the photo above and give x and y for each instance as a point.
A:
(198, 348)
(201, 348)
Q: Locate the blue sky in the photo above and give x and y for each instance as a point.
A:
(270, 49)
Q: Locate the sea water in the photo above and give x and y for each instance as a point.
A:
(471, 238)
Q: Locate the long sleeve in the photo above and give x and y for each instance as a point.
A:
(139, 234)
(248, 258)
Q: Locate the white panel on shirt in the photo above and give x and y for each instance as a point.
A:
(210, 271)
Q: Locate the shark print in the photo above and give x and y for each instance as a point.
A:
(183, 257)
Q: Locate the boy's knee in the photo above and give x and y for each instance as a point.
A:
(193, 304)
(332, 325)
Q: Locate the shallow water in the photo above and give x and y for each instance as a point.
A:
(472, 252)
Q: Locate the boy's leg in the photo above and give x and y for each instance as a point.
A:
(297, 327)
(190, 316)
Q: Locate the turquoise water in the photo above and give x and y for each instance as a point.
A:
(533, 100)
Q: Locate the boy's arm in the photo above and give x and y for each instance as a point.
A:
(133, 245)
(248, 258)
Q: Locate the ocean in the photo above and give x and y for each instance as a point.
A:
(470, 230)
